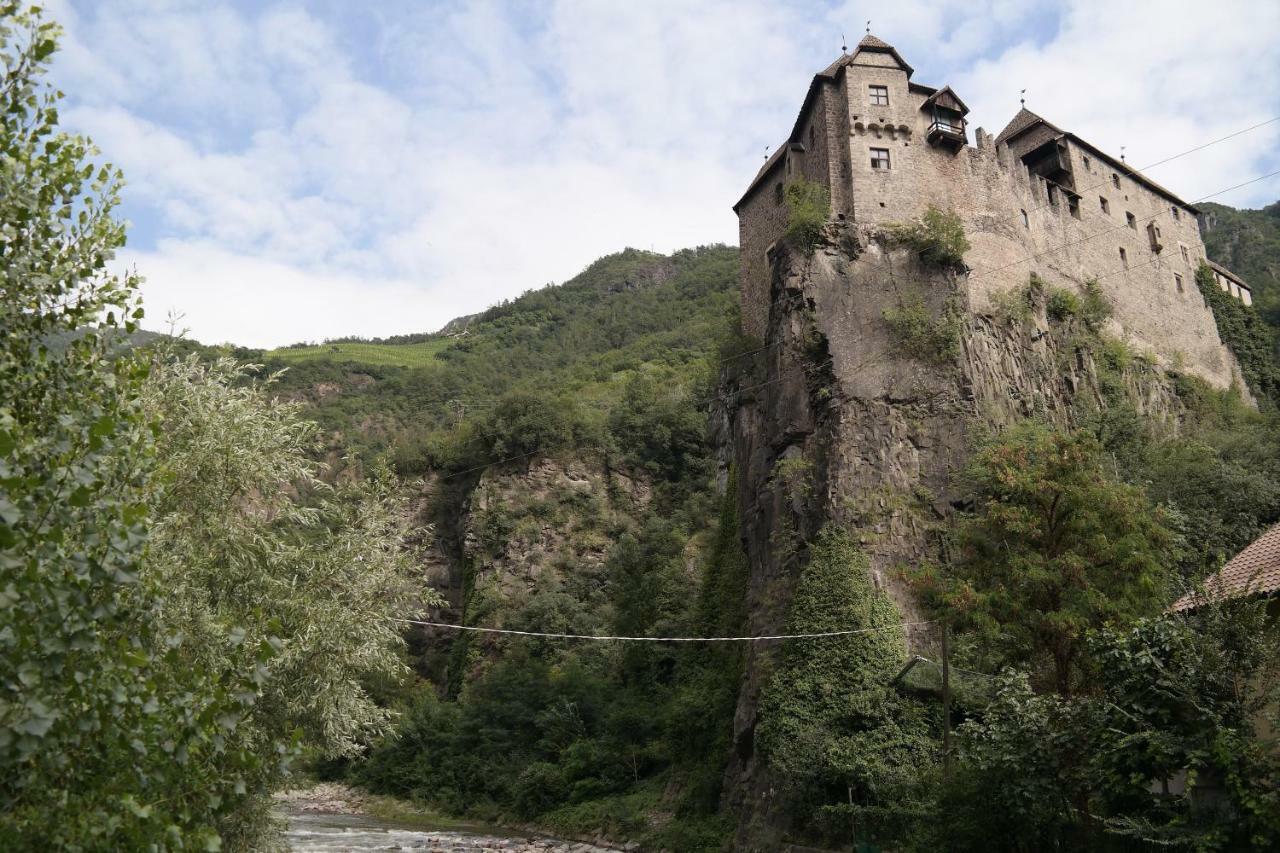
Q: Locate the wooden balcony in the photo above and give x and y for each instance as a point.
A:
(947, 134)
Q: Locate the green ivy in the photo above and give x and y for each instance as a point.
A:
(1247, 334)
(851, 751)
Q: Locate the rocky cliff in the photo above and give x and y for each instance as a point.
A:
(875, 378)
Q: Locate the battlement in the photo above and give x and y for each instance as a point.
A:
(1035, 199)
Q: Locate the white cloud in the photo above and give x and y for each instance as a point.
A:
(1157, 79)
(304, 184)
(222, 296)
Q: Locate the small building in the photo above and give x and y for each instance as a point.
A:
(1253, 573)
(1231, 283)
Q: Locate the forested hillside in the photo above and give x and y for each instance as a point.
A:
(630, 316)
(560, 452)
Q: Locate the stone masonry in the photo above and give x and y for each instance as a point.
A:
(1035, 199)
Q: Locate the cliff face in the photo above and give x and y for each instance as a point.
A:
(876, 378)
(521, 547)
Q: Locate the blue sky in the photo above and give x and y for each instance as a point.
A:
(302, 170)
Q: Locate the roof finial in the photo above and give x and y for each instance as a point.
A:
(1122, 147)
(1023, 98)
(844, 43)
(868, 28)
(766, 152)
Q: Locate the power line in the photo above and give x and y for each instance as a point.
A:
(749, 639)
(1130, 172)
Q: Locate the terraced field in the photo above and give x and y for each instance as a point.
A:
(420, 354)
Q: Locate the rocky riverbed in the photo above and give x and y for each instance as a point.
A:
(332, 817)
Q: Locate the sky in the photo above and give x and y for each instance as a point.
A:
(305, 170)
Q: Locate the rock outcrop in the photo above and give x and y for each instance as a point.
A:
(875, 379)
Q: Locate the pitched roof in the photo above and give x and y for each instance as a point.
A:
(869, 43)
(1025, 120)
(947, 91)
(872, 44)
(1254, 571)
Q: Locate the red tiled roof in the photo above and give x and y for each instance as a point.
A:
(1254, 571)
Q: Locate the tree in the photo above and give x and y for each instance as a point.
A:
(178, 592)
(1182, 697)
(100, 731)
(269, 572)
(1166, 751)
(1054, 547)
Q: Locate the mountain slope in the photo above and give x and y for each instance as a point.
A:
(626, 314)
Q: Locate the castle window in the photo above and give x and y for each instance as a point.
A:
(1177, 282)
(1176, 213)
(777, 193)
(1073, 204)
(1124, 257)
(1026, 223)
(879, 96)
(1088, 164)
(1131, 220)
(880, 158)
(1104, 204)
(1186, 256)
(1053, 193)
(1115, 180)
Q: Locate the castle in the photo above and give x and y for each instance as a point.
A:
(1036, 198)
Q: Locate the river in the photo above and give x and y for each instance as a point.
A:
(337, 825)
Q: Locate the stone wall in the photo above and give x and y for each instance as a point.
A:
(1158, 310)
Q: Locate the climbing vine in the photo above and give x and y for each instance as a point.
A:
(1247, 334)
(850, 749)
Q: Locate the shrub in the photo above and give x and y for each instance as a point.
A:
(1062, 304)
(1018, 305)
(922, 335)
(1095, 308)
(795, 475)
(938, 236)
(808, 208)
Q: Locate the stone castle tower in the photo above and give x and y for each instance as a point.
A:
(1035, 198)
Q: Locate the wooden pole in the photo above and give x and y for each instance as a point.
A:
(946, 703)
